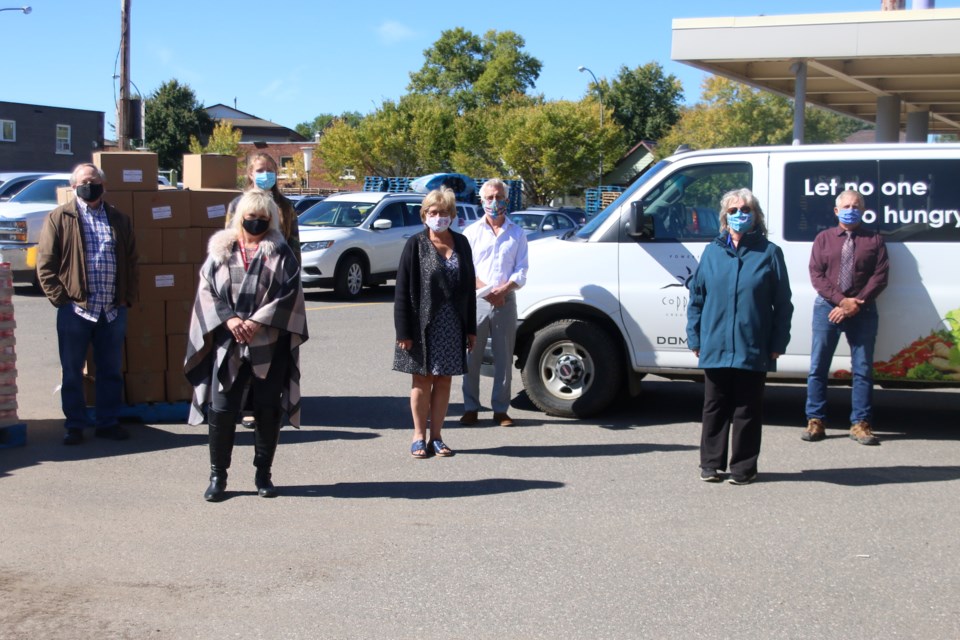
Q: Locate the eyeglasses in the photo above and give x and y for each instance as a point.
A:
(743, 209)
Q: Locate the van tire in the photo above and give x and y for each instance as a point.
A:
(574, 369)
(348, 281)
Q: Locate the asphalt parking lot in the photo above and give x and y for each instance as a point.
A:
(549, 529)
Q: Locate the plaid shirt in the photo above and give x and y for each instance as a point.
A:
(99, 253)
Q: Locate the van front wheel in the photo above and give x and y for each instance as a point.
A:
(574, 369)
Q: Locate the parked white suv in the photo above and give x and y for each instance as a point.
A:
(21, 219)
(352, 240)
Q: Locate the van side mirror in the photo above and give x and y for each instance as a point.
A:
(640, 224)
(382, 224)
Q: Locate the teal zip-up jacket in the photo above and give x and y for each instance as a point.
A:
(739, 311)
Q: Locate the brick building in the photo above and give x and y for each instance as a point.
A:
(41, 138)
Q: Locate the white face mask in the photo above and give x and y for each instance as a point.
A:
(438, 223)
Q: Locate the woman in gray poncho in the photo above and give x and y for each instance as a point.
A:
(248, 323)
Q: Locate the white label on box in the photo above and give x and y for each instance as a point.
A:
(165, 280)
(217, 211)
(162, 213)
(133, 175)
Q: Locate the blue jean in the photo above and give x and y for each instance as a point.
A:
(74, 336)
(861, 332)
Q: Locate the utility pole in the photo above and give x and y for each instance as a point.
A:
(123, 112)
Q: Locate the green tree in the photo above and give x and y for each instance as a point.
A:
(553, 147)
(412, 136)
(224, 140)
(731, 114)
(474, 71)
(173, 114)
(324, 120)
(645, 101)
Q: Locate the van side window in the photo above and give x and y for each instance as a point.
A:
(394, 213)
(906, 200)
(685, 205)
(412, 214)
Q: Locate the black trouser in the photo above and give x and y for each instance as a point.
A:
(264, 394)
(732, 411)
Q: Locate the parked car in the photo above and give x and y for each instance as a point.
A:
(467, 214)
(12, 183)
(544, 223)
(21, 218)
(352, 240)
(302, 203)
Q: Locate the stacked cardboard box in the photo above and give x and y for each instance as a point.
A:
(171, 227)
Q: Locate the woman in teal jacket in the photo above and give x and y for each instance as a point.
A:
(738, 324)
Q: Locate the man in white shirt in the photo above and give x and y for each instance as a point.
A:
(500, 260)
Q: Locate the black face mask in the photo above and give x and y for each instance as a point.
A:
(256, 226)
(89, 192)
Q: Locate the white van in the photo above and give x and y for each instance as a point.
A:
(609, 304)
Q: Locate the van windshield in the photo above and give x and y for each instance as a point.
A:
(40, 192)
(587, 230)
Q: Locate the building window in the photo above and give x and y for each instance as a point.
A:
(63, 138)
(8, 131)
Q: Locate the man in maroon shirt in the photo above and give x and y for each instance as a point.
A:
(848, 268)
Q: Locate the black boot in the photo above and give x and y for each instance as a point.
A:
(266, 437)
(223, 427)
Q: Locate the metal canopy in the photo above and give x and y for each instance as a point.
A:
(852, 59)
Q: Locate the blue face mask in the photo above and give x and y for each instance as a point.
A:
(850, 216)
(265, 180)
(494, 208)
(739, 221)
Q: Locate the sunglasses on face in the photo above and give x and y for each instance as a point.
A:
(743, 209)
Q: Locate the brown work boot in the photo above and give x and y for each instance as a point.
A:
(502, 419)
(469, 418)
(862, 433)
(815, 430)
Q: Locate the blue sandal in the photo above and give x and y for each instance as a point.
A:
(440, 449)
(418, 449)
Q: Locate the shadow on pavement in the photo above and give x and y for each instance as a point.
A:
(419, 490)
(578, 450)
(868, 476)
(44, 442)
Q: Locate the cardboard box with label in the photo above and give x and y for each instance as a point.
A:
(128, 170)
(167, 282)
(209, 171)
(168, 209)
(208, 207)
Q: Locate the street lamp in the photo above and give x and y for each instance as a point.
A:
(307, 157)
(26, 10)
(581, 69)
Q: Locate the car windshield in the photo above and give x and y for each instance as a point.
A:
(337, 213)
(587, 230)
(40, 192)
(527, 221)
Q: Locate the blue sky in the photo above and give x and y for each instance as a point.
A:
(291, 60)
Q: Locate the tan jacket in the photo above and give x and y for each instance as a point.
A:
(61, 267)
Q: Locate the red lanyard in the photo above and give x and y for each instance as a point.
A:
(243, 256)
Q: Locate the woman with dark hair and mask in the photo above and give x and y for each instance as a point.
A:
(738, 324)
(248, 323)
(435, 316)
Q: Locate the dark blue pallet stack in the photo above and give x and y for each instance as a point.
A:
(399, 185)
(375, 183)
(595, 199)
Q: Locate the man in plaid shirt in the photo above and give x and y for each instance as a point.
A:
(87, 267)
